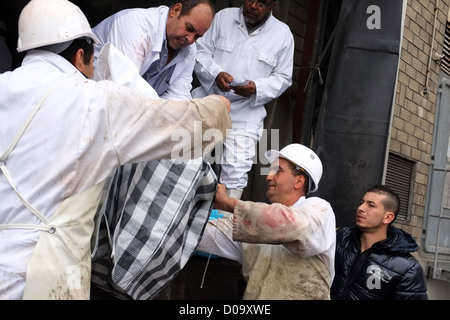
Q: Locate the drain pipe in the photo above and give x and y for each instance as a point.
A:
(426, 89)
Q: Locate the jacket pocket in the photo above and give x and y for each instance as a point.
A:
(224, 45)
(267, 58)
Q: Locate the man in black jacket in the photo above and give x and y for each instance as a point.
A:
(373, 259)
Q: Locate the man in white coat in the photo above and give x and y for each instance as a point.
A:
(247, 56)
(62, 135)
(286, 248)
(160, 42)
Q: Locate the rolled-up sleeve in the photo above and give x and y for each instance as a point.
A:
(305, 230)
(143, 129)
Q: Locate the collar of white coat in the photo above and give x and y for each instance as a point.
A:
(158, 42)
(239, 18)
(300, 200)
(36, 55)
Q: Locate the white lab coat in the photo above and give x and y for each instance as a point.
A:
(81, 133)
(139, 34)
(265, 56)
(285, 252)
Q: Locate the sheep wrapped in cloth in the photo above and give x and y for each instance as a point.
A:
(151, 224)
(154, 212)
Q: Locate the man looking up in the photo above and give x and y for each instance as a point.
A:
(286, 248)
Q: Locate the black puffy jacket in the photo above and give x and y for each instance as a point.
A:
(386, 271)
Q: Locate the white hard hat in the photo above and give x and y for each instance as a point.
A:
(49, 22)
(303, 157)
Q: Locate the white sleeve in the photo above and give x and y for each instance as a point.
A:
(206, 69)
(180, 89)
(113, 65)
(217, 239)
(306, 230)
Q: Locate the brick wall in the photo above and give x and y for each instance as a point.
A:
(415, 101)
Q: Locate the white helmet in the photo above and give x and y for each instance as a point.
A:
(302, 156)
(49, 22)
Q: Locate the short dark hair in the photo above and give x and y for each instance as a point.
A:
(297, 171)
(391, 201)
(86, 44)
(187, 5)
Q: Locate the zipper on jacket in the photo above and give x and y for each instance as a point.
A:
(357, 264)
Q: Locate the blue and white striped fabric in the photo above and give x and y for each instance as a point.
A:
(151, 222)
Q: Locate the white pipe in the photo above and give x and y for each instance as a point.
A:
(426, 89)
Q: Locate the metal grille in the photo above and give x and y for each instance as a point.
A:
(398, 177)
(445, 64)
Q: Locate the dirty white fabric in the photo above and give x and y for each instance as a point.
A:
(154, 212)
(264, 56)
(140, 34)
(60, 266)
(75, 141)
(217, 240)
(287, 252)
(111, 64)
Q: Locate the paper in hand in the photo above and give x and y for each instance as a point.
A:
(235, 83)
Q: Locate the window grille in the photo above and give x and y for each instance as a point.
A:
(398, 178)
(445, 63)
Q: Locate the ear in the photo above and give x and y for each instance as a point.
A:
(388, 217)
(175, 10)
(78, 61)
(299, 181)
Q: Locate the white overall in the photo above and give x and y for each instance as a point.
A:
(60, 266)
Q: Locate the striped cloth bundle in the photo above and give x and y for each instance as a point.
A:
(149, 225)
